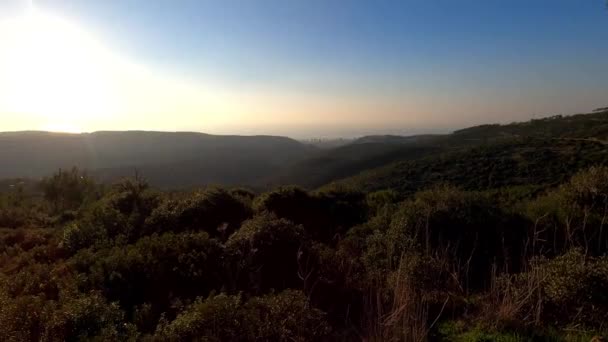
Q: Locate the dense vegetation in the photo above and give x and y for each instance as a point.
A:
(500, 239)
(535, 162)
(542, 152)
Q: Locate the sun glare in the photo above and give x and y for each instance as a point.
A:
(62, 128)
(59, 76)
(53, 70)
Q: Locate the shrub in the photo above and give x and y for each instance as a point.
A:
(82, 235)
(31, 318)
(575, 215)
(155, 268)
(466, 227)
(286, 316)
(214, 211)
(264, 253)
(569, 289)
(323, 215)
(88, 318)
(68, 189)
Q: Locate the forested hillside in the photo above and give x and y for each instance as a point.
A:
(329, 165)
(518, 161)
(403, 163)
(540, 152)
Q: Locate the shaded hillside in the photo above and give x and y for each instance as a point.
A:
(240, 170)
(540, 151)
(381, 150)
(345, 161)
(398, 139)
(519, 161)
(201, 158)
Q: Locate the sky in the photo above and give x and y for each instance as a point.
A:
(310, 68)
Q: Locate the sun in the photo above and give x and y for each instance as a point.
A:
(62, 128)
(57, 76)
(54, 71)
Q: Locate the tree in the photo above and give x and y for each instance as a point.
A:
(67, 190)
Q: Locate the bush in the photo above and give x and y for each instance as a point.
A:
(88, 318)
(574, 287)
(566, 290)
(214, 211)
(118, 215)
(155, 269)
(68, 189)
(264, 253)
(30, 318)
(323, 215)
(286, 316)
(465, 227)
(575, 215)
(82, 235)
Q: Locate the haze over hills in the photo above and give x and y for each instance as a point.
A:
(183, 159)
(200, 158)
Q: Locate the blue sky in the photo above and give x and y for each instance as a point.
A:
(426, 64)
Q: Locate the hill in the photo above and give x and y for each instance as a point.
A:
(397, 139)
(197, 158)
(541, 152)
(180, 160)
(330, 165)
(579, 126)
(520, 161)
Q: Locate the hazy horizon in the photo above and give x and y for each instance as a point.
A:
(309, 69)
(346, 135)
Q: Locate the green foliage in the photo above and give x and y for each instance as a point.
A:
(460, 331)
(118, 215)
(512, 263)
(324, 214)
(286, 316)
(68, 189)
(216, 211)
(19, 208)
(264, 253)
(378, 200)
(573, 215)
(77, 236)
(89, 318)
(464, 226)
(572, 289)
(345, 161)
(154, 269)
(216, 318)
(510, 162)
(30, 318)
